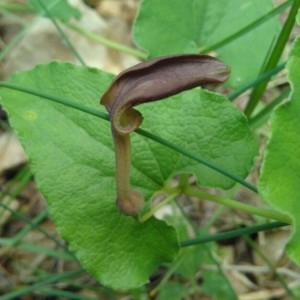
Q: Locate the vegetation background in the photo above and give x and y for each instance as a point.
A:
(34, 261)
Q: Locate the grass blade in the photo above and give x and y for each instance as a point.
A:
(274, 57)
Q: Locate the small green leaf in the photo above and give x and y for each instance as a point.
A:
(72, 157)
(59, 9)
(176, 26)
(280, 175)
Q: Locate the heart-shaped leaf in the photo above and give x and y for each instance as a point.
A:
(176, 26)
(72, 157)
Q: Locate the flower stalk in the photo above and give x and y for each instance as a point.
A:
(146, 82)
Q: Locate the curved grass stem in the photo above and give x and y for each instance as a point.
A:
(106, 42)
(278, 48)
(248, 28)
(61, 32)
(262, 212)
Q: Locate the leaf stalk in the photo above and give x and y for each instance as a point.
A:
(266, 213)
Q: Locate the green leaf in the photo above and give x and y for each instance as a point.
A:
(280, 175)
(176, 26)
(72, 157)
(190, 266)
(59, 9)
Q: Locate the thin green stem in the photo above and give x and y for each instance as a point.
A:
(31, 224)
(206, 246)
(151, 213)
(13, 17)
(16, 39)
(265, 113)
(248, 28)
(61, 32)
(232, 234)
(274, 57)
(140, 131)
(183, 180)
(24, 179)
(266, 213)
(270, 265)
(34, 223)
(256, 81)
(8, 243)
(51, 279)
(15, 7)
(215, 216)
(62, 294)
(56, 99)
(197, 158)
(170, 271)
(108, 43)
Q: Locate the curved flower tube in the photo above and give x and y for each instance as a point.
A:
(146, 82)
